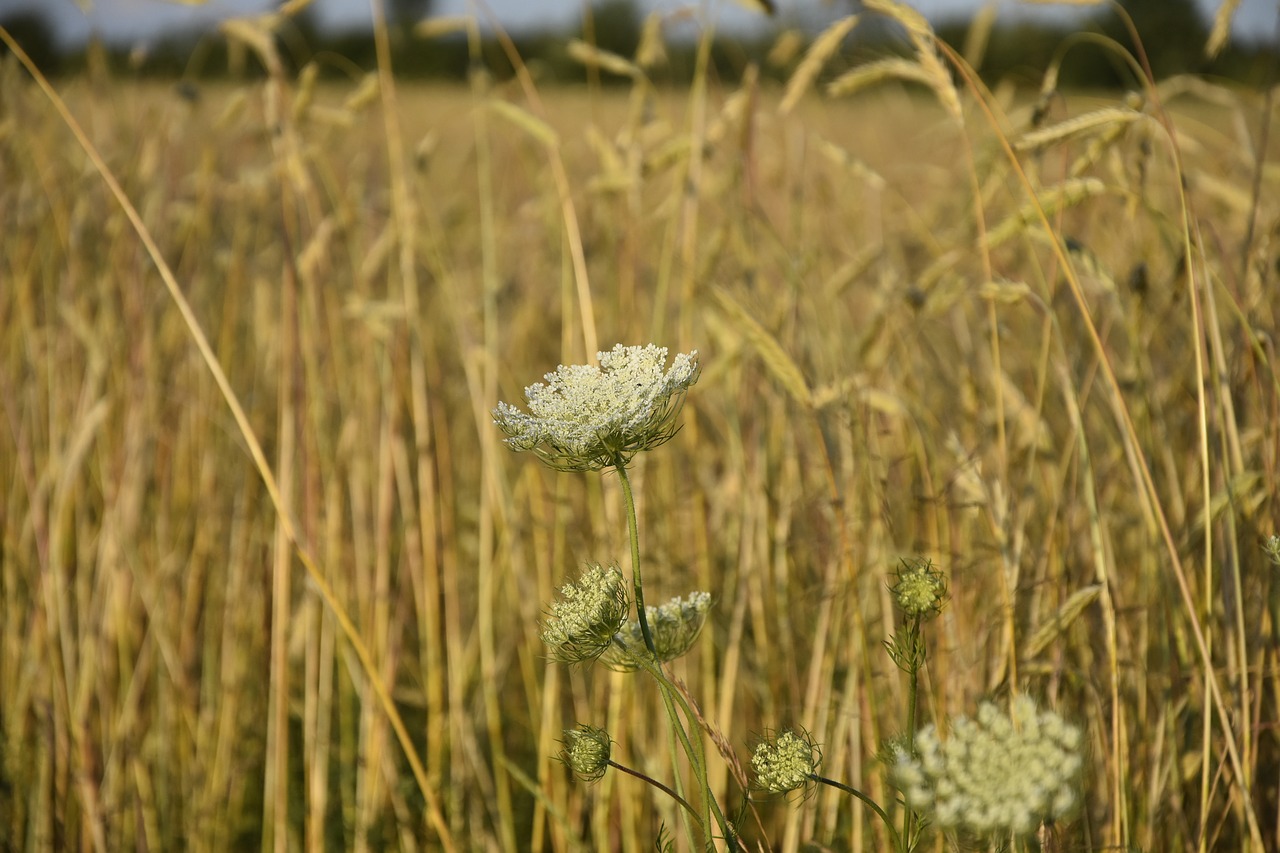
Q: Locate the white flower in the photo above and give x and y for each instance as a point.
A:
(999, 773)
(587, 418)
(674, 626)
(582, 624)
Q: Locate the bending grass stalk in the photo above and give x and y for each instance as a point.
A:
(246, 431)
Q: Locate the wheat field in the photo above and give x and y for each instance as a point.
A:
(270, 580)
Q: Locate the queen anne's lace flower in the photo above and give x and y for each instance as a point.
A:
(919, 589)
(785, 762)
(997, 774)
(586, 751)
(587, 418)
(583, 622)
(674, 626)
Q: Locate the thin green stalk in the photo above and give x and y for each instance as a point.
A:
(661, 787)
(872, 804)
(651, 664)
(913, 694)
(694, 748)
(634, 531)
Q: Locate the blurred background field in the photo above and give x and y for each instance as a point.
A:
(1077, 423)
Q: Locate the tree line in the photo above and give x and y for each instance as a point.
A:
(1173, 35)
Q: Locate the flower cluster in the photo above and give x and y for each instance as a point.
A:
(785, 762)
(586, 751)
(581, 625)
(674, 626)
(919, 589)
(995, 774)
(588, 418)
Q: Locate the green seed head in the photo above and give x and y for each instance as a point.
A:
(785, 762)
(919, 589)
(586, 752)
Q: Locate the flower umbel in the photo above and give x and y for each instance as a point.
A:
(675, 625)
(919, 589)
(581, 625)
(586, 418)
(995, 774)
(586, 752)
(785, 762)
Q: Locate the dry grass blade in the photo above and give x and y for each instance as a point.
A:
(940, 81)
(823, 47)
(855, 166)
(1058, 624)
(652, 50)
(979, 34)
(595, 57)
(893, 68)
(527, 121)
(935, 74)
(1221, 31)
(775, 358)
(913, 22)
(365, 94)
(786, 47)
(1004, 292)
(1096, 121)
(445, 25)
(1066, 194)
(257, 37)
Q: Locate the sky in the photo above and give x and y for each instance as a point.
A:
(136, 21)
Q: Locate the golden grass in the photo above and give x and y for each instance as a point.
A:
(1079, 423)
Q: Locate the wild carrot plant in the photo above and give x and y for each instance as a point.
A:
(597, 418)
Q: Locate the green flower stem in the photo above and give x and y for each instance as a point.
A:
(913, 694)
(669, 695)
(872, 804)
(693, 747)
(634, 532)
(661, 787)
